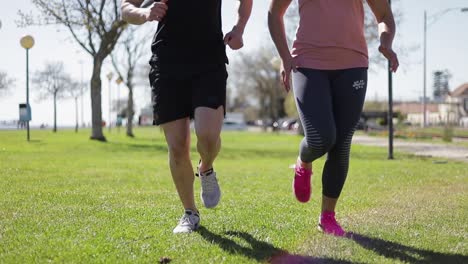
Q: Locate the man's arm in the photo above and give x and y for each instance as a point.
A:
(244, 11)
(387, 28)
(234, 38)
(134, 14)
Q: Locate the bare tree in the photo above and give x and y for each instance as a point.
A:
(441, 84)
(53, 82)
(5, 82)
(96, 26)
(126, 60)
(257, 74)
(120, 106)
(75, 90)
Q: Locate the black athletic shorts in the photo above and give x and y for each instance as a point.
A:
(177, 90)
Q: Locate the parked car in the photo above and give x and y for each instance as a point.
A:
(235, 121)
(234, 126)
(289, 124)
(362, 125)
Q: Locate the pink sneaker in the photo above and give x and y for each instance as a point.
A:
(301, 184)
(328, 225)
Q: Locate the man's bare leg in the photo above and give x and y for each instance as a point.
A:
(178, 141)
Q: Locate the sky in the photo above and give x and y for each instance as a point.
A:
(447, 49)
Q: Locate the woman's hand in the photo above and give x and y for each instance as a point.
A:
(287, 66)
(391, 57)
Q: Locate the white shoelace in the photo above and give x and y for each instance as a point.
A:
(209, 183)
(186, 220)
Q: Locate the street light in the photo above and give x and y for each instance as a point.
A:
(119, 119)
(82, 87)
(390, 107)
(27, 42)
(109, 77)
(434, 18)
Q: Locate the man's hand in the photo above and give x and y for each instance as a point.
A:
(157, 11)
(234, 39)
(391, 56)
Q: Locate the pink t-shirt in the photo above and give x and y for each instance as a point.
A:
(330, 35)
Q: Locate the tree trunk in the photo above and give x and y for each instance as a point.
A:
(130, 113)
(96, 107)
(55, 112)
(76, 114)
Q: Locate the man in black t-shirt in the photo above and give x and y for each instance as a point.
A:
(188, 80)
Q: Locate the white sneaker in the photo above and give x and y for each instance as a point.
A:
(189, 222)
(210, 192)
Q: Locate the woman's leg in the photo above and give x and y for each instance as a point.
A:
(314, 103)
(348, 90)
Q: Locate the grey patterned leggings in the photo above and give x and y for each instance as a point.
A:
(329, 103)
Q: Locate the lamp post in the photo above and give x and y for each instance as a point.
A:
(27, 42)
(434, 18)
(390, 108)
(109, 77)
(119, 119)
(82, 94)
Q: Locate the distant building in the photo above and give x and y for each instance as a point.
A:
(453, 109)
(457, 105)
(413, 112)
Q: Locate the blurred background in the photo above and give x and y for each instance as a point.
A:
(73, 60)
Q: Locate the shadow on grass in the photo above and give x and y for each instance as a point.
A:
(119, 146)
(259, 250)
(296, 259)
(249, 153)
(281, 153)
(396, 251)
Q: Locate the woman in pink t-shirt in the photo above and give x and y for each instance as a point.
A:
(329, 62)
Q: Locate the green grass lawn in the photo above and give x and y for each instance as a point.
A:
(457, 131)
(428, 133)
(437, 141)
(64, 198)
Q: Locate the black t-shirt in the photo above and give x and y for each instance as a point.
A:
(190, 34)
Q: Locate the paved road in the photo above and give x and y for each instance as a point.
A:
(418, 148)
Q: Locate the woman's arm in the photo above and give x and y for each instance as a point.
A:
(278, 34)
(133, 14)
(383, 14)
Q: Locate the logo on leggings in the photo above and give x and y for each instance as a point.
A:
(359, 84)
